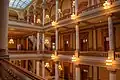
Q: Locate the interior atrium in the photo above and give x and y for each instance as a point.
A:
(59, 40)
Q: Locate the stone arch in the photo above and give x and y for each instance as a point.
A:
(13, 14)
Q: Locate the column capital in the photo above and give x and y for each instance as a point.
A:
(111, 69)
(77, 66)
(109, 15)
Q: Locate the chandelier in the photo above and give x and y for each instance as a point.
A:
(11, 41)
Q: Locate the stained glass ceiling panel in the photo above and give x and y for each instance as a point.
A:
(19, 4)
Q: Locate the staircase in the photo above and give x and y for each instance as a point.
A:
(10, 71)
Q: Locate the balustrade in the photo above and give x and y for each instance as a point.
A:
(81, 53)
(93, 53)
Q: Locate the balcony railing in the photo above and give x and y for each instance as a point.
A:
(23, 21)
(117, 54)
(66, 52)
(81, 53)
(22, 52)
(93, 53)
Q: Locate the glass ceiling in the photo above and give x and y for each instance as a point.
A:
(19, 4)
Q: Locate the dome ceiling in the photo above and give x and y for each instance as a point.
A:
(19, 4)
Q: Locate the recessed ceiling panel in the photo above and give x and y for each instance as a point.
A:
(19, 4)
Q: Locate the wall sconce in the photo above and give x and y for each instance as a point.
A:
(54, 23)
(47, 16)
(109, 62)
(74, 58)
(46, 41)
(47, 65)
(11, 41)
(106, 5)
(73, 16)
(60, 67)
(38, 21)
(85, 40)
(54, 57)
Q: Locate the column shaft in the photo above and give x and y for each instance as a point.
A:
(111, 38)
(38, 41)
(43, 12)
(34, 18)
(90, 74)
(76, 7)
(37, 68)
(34, 66)
(34, 42)
(77, 37)
(43, 69)
(95, 73)
(56, 40)
(4, 26)
(28, 16)
(43, 41)
(26, 65)
(92, 2)
(112, 75)
(111, 34)
(56, 13)
(78, 75)
(27, 44)
(56, 71)
(94, 40)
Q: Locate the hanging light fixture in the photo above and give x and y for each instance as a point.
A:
(11, 41)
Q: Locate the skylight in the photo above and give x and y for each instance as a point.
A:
(19, 4)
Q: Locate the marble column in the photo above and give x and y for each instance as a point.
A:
(88, 3)
(76, 7)
(77, 37)
(38, 68)
(26, 64)
(43, 41)
(56, 71)
(56, 40)
(95, 73)
(112, 75)
(38, 41)
(56, 10)
(77, 40)
(43, 12)
(92, 2)
(77, 73)
(90, 73)
(94, 40)
(111, 37)
(43, 69)
(27, 44)
(28, 16)
(34, 42)
(34, 66)
(111, 33)
(4, 26)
